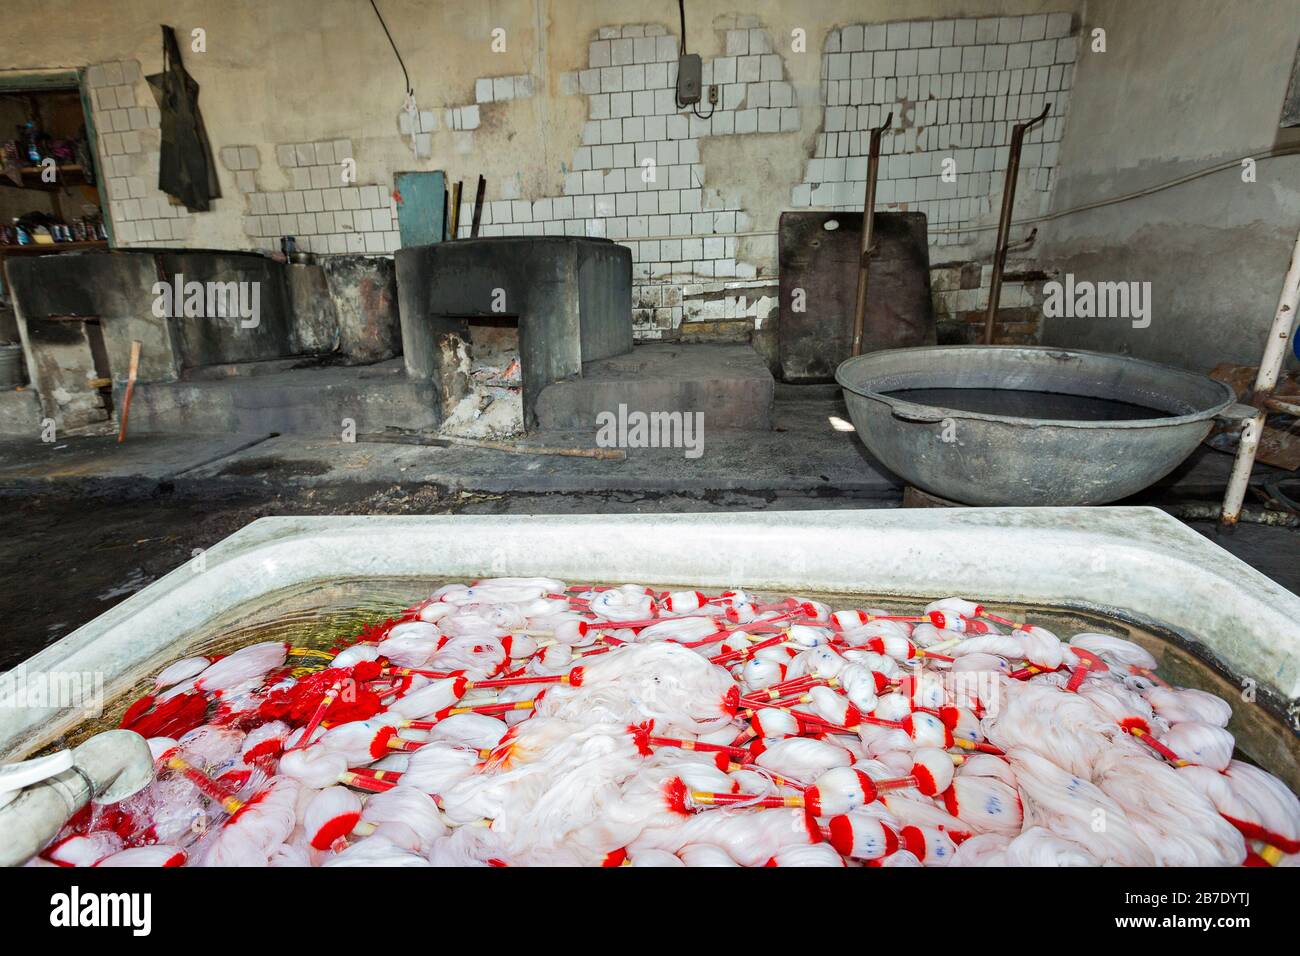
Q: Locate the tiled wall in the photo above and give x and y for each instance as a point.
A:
(955, 88)
(126, 123)
(637, 177)
(325, 213)
(328, 215)
(960, 294)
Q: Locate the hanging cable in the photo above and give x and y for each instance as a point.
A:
(695, 107)
(405, 76)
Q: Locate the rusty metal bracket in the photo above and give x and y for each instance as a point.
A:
(868, 230)
(1004, 221)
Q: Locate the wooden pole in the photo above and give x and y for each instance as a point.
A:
(455, 208)
(132, 372)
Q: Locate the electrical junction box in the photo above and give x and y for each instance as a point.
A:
(689, 79)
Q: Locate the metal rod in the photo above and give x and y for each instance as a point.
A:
(1004, 221)
(1283, 406)
(1265, 381)
(455, 208)
(1211, 512)
(868, 234)
(478, 207)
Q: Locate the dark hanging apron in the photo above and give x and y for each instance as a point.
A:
(185, 167)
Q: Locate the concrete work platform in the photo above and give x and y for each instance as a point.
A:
(144, 462)
(301, 398)
(308, 397)
(730, 384)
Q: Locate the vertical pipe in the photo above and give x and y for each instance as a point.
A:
(868, 230)
(1004, 220)
(1265, 381)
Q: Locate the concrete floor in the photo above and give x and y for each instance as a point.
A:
(810, 450)
(803, 453)
(87, 522)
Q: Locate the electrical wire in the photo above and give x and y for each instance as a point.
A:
(695, 107)
(405, 76)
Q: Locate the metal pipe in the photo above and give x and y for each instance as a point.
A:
(868, 231)
(478, 206)
(1283, 406)
(1004, 220)
(1211, 512)
(1265, 381)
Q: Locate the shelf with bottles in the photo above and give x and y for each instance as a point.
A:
(65, 175)
(53, 231)
(49, 248)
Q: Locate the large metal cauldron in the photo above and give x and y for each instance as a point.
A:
(985, 459)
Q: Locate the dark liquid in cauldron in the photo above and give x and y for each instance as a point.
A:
(1027, 404)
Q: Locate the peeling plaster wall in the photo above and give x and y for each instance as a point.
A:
(281, 78)
(1183, 85)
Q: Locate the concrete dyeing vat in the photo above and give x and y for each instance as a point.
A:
(1132, 566)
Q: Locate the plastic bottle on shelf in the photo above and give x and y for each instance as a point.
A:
(29, 143)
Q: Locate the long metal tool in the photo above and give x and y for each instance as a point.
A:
(515, 448)
(1284, 323)
(478, 206)
(1004, 222)
(868, 230)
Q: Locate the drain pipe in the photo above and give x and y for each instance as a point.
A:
(1004, 221)
(1262, 398)
(868, 234)
(108, 767)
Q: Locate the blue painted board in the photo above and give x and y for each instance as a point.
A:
(420, 206)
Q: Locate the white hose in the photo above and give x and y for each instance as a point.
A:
(108, 767)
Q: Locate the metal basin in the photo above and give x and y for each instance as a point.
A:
(986, 459)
